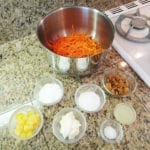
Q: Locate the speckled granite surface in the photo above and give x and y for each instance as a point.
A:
(19, 18)
(23, 62)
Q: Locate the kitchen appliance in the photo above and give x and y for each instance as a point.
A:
(132, 36)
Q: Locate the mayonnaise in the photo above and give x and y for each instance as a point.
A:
(69, 126)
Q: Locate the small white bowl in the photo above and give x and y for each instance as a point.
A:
(13, 122)
(90, 88)
(56, 125)
(43, 82)
(116, 126)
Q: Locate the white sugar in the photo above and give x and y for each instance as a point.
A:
(50, 93)
(89, 101)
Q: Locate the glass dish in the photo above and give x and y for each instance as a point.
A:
(125, 113)
(13, 122)
(119, 83)
(92, 88)
(56, 125)
(115, 126)
(43, 82)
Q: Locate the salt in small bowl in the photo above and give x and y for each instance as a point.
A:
(115, 125)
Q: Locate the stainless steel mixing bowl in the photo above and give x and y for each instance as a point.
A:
(84, 19)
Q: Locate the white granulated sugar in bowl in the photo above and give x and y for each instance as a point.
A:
(50, 93)
(89, 101)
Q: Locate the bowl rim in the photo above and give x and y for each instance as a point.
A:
(132, 109)
(69, 109)
(74, 7)
(126, 73)
(119, 138)
(97, 87)
(41, 83)
(19, 110)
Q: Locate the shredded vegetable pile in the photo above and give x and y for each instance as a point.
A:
(76, 45)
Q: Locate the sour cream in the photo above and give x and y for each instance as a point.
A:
(69, 126)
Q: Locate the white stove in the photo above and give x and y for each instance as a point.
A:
(132, 36)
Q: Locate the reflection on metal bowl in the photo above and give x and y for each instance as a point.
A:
(86, 20)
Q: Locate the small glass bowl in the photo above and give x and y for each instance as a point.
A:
(56, 125)
(124, 76)
(114, 125)
(93, 88)
(128, 107)
(43, 82)
(12, 125)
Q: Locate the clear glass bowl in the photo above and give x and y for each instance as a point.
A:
(92, 88)
(123, 109)
(119, 83)
(43, 82)
(114, 125)
(56, 125)
(12, 125)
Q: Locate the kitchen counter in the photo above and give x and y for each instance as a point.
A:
(23, 62)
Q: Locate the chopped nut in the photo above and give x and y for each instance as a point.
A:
(117, 84)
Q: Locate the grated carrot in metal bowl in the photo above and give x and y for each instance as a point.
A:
(76, 45)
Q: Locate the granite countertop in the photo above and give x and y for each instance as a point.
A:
(23, 62)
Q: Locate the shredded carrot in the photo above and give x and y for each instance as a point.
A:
(76, 45)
